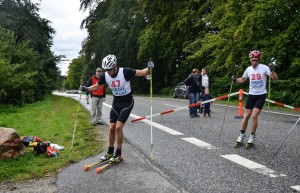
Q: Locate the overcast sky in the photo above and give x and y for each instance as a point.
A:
(65, 18)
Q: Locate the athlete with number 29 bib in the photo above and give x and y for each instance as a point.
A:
(257, 74)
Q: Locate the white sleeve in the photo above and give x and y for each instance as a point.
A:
(245, 75)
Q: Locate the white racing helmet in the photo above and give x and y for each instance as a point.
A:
(109, 62)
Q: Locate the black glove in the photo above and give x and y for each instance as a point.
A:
(272, 67)
(83, 88)
(233, 78)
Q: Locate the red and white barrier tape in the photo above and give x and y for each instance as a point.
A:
(283, 105)
(185, 107)
(280, 104)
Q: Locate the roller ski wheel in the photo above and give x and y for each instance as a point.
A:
(249, 145)
(238, 144)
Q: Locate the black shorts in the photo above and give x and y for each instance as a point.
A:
(121, 110)
(256, 101)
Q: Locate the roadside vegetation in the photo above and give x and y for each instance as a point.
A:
(52, 119)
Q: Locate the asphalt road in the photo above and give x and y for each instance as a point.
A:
(194, 155)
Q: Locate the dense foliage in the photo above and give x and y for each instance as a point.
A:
(182, 35)
(27, 66)
(177, 35)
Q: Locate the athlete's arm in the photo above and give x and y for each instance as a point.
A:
(241, 80)
(273, 75)
(93, 87)
(97, 86)
(143, 72)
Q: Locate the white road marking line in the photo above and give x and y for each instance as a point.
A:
(251, 165)
(232, 157)
(163, 128)
(158, 126)
(199, 143)
(296, 187)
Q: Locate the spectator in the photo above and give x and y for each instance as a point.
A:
(206, 96)
(204, 82)
(97, 98)
(193, 91)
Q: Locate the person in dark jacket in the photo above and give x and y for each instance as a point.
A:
(206, 96)
(193, 91)
(97, 98)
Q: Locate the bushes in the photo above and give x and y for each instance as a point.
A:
(167, 91)
(286, 91)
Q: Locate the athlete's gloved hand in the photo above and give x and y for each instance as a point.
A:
(83, 88)
(233, 78)
(150, 64)
(272, 67)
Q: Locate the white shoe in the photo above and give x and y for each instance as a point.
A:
(251, 139)
(241, 138)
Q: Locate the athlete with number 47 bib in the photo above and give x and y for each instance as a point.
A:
(118, 80)
(257, 74)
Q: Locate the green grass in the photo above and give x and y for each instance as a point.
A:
(52, 119)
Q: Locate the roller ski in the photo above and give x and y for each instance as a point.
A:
(112, 161)
(239, 141)
(103, 159)
(250, 142)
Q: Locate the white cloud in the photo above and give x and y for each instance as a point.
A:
(65, 18)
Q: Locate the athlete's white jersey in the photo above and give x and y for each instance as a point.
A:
(118, 85)
(258, 79)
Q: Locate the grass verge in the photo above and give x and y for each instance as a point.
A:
(52, 119)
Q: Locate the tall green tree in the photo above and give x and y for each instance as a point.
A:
(182, 35)
(18, 75)
(21, 17)
(75, 72)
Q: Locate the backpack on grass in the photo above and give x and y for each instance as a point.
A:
(35, 144)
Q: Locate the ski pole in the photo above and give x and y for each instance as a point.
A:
(226, 110)
(283, 141)
(149, 77)
(151, 156)
(268, 116)
(75, 125)
(273, 62)
(150, 66)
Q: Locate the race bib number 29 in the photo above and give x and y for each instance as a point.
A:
(256, 76)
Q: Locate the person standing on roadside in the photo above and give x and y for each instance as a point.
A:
(206, 96)
(203, 79)
(97, 98)
(257, 74)
(193, 91)
(118, 79)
